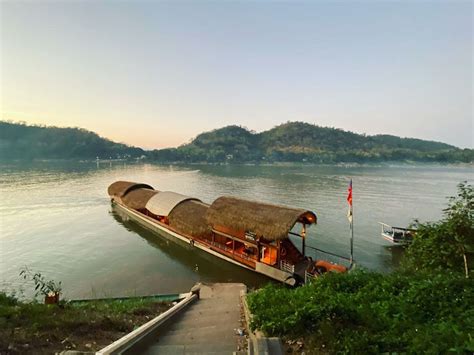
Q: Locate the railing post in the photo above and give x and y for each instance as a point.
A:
(303, 237)
(196, 290)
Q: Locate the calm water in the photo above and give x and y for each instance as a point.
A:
(57, 218)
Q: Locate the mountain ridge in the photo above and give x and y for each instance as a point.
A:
(287, 142)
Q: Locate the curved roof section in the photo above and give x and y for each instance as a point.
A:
(121, 188)
(189, 217)
(138, 198)
(272, 222)
(163, 203)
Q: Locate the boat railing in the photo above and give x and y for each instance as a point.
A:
(220, 246)
(319, 254)
(391, 229)
(229, 250)
(287, 266)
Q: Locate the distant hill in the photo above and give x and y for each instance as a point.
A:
(289, 142)
(21, 141)
(299, 141)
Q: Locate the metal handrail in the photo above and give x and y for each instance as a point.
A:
(286, 266)
(329, 253)
(227, 249)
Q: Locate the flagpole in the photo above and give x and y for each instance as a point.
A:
(351, 224)
(352, 236)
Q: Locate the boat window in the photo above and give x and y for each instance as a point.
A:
(268, 255)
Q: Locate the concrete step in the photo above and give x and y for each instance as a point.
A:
(189, 349)
(191, 322)
(213, 306)
(266, 346)
(216, 303)
(186, 339)
(211, 310)
(196, 315)
(208, 331)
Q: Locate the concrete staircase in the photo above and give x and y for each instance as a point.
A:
(208, 326)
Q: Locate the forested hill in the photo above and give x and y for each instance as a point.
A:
(299, 141)
(289, 142)
(20, 141)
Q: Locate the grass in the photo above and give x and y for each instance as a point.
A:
(87, 326)
(425, 306)
(364, 312)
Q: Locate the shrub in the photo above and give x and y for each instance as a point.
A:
(449, 243)
(425, 307)
(371, 312)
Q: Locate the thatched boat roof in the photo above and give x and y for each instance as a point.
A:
(272, 222)
(121, 188)
(138, 198)
(163, 203)
(189, 217)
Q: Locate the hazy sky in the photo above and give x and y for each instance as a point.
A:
(155, 74)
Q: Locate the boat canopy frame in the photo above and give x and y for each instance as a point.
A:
(164, 202)
(121, 188)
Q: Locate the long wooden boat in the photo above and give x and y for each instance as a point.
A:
(253, 235)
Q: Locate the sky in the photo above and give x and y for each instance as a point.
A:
(155, 74)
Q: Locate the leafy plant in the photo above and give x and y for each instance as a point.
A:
(42, 285)
(366, 312)
(449, 243)
(425, 307)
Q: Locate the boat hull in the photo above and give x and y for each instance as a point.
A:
(164, 232)
(394, 240)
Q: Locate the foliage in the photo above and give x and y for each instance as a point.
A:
(42, 285)
(365, 312)
(449, 243)
(425, 307)
(304, 142)
(43, 329)
(20, 141)
(289, 142)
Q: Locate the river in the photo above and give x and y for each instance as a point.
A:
(56, 218)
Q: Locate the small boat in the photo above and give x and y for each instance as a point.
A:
(253, 235)
(397, 235)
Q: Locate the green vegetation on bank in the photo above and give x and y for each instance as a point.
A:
(304, 142)
(289, 142)
(426, 306)
(88, 326)
(21, 141)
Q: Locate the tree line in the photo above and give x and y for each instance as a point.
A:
(289, 142)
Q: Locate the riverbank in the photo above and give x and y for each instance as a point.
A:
(85, 326)
(367, 312)
(425, 306)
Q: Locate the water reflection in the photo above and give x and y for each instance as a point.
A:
(207, 267)
(54, 218)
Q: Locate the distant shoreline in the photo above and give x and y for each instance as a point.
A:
(289, 143)
(391, 164)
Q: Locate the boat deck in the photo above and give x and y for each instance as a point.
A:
(301, 267)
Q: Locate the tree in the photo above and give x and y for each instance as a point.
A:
(449, 243)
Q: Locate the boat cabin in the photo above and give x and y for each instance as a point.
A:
(397, 235)
(260, 231)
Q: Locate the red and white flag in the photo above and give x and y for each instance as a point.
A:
(349, 201)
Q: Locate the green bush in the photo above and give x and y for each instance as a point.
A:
(425, 307)
(371, 312)
(449, 243)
